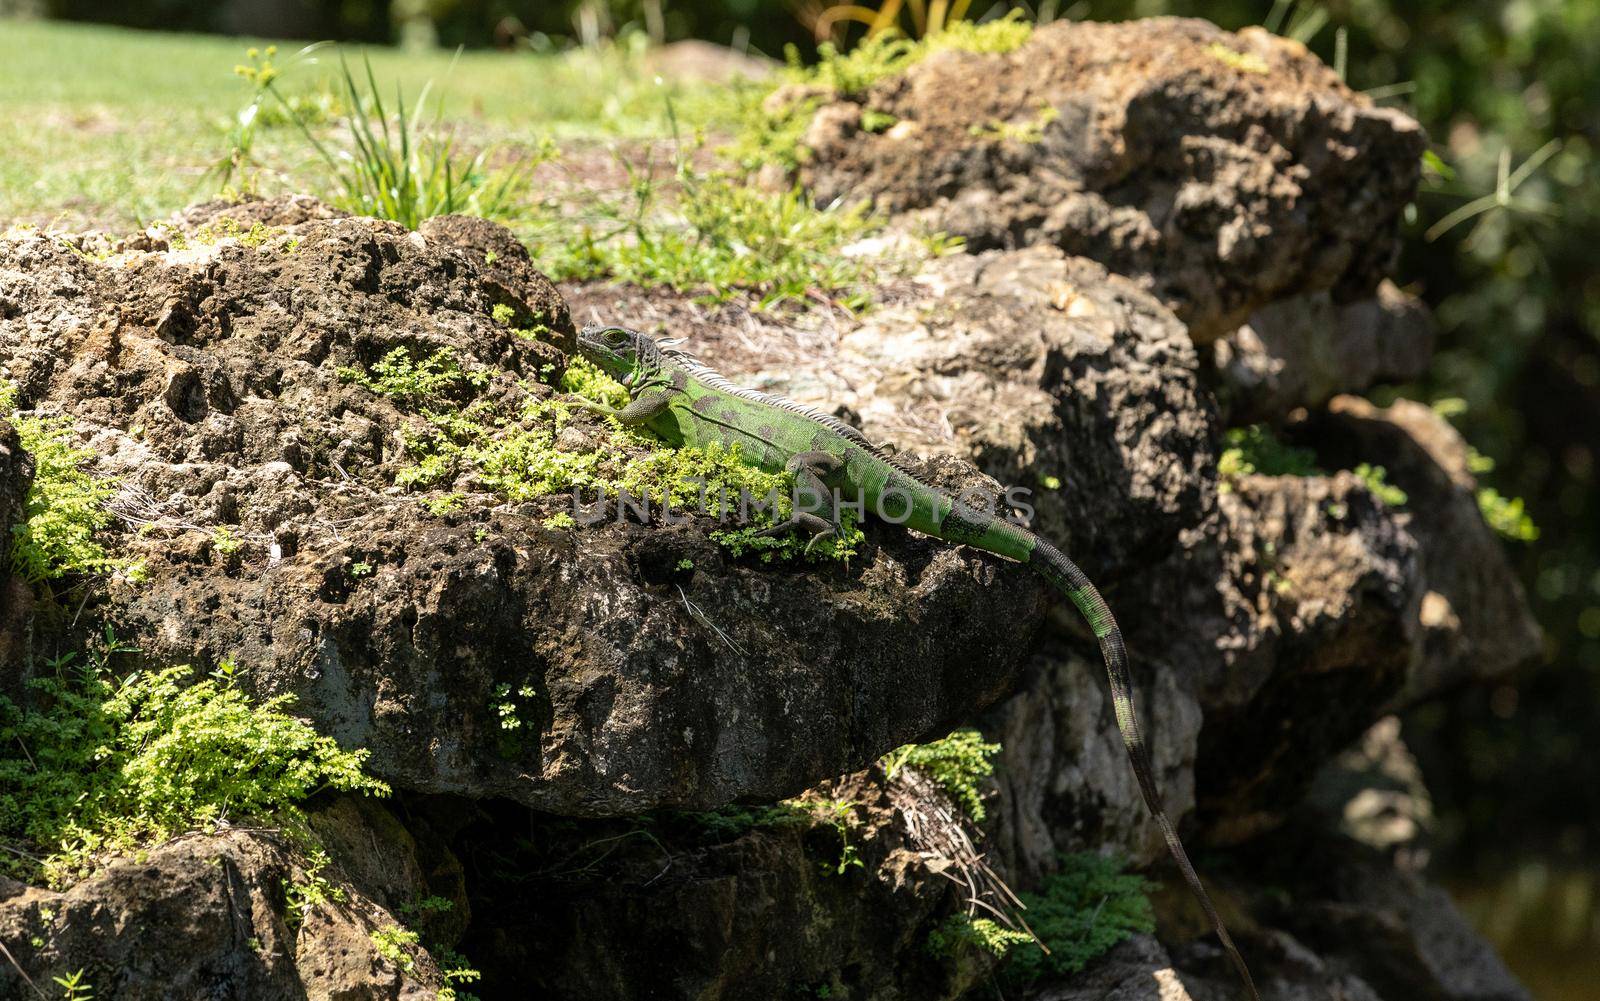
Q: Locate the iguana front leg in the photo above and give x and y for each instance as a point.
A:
(640, 410)
(808, 469)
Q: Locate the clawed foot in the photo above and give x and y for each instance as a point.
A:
(820, 528)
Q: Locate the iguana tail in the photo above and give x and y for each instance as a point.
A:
(1052, 565)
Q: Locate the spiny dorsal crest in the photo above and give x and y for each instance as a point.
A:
(708, 376)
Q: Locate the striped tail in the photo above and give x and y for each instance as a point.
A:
(1049, 562)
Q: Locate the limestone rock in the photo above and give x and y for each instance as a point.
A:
(1224, 171)
(206, 375)
(827, 895)
(1302, 352)
(16, 473)
(206, 915)
(1476, 624)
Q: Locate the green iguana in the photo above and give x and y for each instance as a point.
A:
(683, 403)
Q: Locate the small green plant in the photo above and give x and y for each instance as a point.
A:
(224, 542)
(1504, 197)
(516, 711)
(258, 71)
(212, 233)
(732, 821)
(443, 504)
(1376, 479)
(774, 132)
(849, 72)
(73, 987)
(432, 904)
(395, 944)
(1027, 132)
(1079, 913)
(1255, 450)
(1506, 516)
(361, 569)
(509, 709)
(1300, 20)
(840, 814)
(503, 314)
(107, 765)
(885, 50)
(958, 763)
(962, 932)
(455, 970)
(312, 890)
(66, 509)
(840, 817)
(402, 376)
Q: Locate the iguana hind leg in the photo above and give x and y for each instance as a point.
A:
(808, 468)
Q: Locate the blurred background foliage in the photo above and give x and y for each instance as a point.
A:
(1503, 243)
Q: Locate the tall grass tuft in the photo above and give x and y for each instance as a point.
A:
(407, 166)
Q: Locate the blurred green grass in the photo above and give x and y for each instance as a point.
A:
(113, 127)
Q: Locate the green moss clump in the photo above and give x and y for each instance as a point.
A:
(584, 378)
(1079, 913)
(519, 456)
(66, 509)
(732, 821)
(1026, 132)
(401, 376)
(775, 134)
(97, 766)
(848, 73)
(1377, 480)
(1244, 62)
(1255, 450)
(890, 53)
(212, 233)
(1506, 516)
(962, 933)
(958, 763)
(998, 36)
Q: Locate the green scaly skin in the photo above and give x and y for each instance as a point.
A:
(684, 403)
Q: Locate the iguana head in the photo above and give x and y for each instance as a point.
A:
(626, 355)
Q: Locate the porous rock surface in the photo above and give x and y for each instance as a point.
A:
(206, 378)
(207, 915)
(16, 473)
(1223, 170)
(1475, 621)
(1302, 352)
(730, 906)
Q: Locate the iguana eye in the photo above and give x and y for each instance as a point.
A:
(616, 337)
